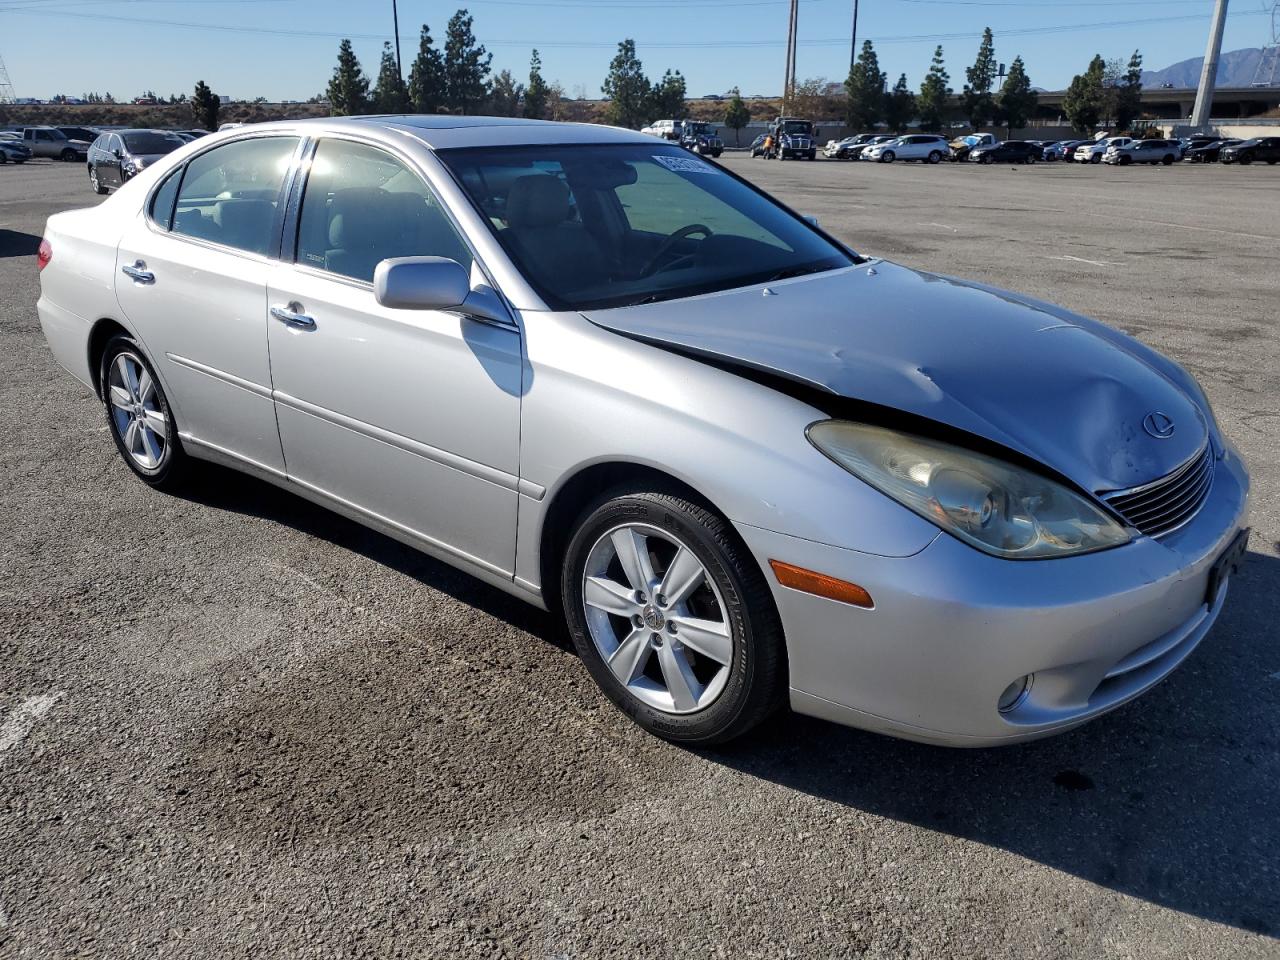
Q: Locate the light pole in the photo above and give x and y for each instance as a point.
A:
(395, 19)
(853, 38)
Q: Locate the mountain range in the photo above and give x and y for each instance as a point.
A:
(1235, 69)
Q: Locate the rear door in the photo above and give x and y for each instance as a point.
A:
(411, 417)
(197, 293)
(109, 172)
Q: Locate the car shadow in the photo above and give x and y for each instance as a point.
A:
(1171, 799)
(13, 243)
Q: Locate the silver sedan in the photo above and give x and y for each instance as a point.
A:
(746, 464)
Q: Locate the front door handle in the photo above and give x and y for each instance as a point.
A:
(138, 272)
(290, 313)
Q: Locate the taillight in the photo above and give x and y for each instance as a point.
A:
(44, 253)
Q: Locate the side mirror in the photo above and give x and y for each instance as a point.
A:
(421, 283)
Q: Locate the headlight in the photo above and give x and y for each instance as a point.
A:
(989, 504)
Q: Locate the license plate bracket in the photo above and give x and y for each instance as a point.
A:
(1228, 563)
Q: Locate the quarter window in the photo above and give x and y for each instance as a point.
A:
(230, 194)
(362, 206)
(162, 202)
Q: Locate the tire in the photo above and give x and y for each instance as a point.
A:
(1031, 158)
(1095, 159)
(984, 158)
(1168, 160)
(1245, 160)
(1271, 163)
(731, 593)
(4, 157)
(67, 156)
(137, 447)
(1125, 161)
(95, 183)
(887, 157)
(935, 157)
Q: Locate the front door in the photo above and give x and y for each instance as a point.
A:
(409, 416)
(197, 293)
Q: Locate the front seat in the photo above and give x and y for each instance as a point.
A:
(558, 251)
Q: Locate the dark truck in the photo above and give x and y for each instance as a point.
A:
(793, 138)
(700, 137)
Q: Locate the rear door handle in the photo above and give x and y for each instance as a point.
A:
(138, 272)
(289, 314)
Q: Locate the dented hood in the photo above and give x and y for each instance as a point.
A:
(1035, 379)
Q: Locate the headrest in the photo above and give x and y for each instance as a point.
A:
(539, 200)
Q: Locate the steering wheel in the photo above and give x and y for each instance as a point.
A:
(665, 247)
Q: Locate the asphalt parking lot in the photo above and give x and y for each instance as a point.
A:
(236, 725)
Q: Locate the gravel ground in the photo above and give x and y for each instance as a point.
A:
(236, 725)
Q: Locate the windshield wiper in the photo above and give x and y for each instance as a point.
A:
(790, 272)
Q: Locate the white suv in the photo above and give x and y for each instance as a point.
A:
(666, 129)
(1094, 152)
(917, 146)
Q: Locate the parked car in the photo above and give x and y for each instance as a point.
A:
(916, 146)
(1167, 152)
(959, 148)
(1069, 148)
(855, 152)
(53, 144)
(1196, 141)
(666, 129)
(1008, 151)
(1210, 152)
(1094, 151)
(14, 151)
(1247, 151)
(757, 145)
(716, 488)
(87, 134)
(848, 148)
(700, 137)
(114, 158)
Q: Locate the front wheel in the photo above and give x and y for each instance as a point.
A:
(139, 415)
(1031, 158)
(672, 617)
(984, 158)
(935, 157)
(887, 157)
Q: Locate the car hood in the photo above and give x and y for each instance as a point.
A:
(1058, 388)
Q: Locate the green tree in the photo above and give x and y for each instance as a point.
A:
(466, 65)
(535, 95)
(504, 98)
(932, 102)
(736, 115)
(1125, 93)
(204, 106)
(390, 95)
(979, 106)
(899, 106)
(349, 87)
(666, 98)
(627, 88)
(426, 76)
(1085, 98)
(1017, 100)
(865, 90)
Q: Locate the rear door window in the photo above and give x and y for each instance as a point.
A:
(231, 194)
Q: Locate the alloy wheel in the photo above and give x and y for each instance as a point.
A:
(657, 618)
(136, 412)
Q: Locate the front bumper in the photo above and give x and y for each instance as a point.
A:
(953, 627)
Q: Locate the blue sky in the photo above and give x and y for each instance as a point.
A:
(285, 49)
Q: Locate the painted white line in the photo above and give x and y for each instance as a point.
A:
(1188, 226)
(944, 226)
(1096, 263)
(25, 716)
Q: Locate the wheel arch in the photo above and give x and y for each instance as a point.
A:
(101, 333)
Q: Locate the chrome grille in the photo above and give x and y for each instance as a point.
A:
(1165, 505)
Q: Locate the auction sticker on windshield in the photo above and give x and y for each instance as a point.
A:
(687, 165)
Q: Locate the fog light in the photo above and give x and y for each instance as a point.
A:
(1015, 693)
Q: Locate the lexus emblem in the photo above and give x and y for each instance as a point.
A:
(1158, 424)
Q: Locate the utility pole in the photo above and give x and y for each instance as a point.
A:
(1209, 75)
(853, 38)
(395, 18)
(789, 82)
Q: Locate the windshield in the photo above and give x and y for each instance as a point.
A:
(796, 126)
(692, 127)
(594, 226)
(145, 143)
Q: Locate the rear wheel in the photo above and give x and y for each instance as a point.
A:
(68, 155)
(672, 617)
(1168, 160)
(94, 182)
(139, 416)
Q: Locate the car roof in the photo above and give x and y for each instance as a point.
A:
(444, 132)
